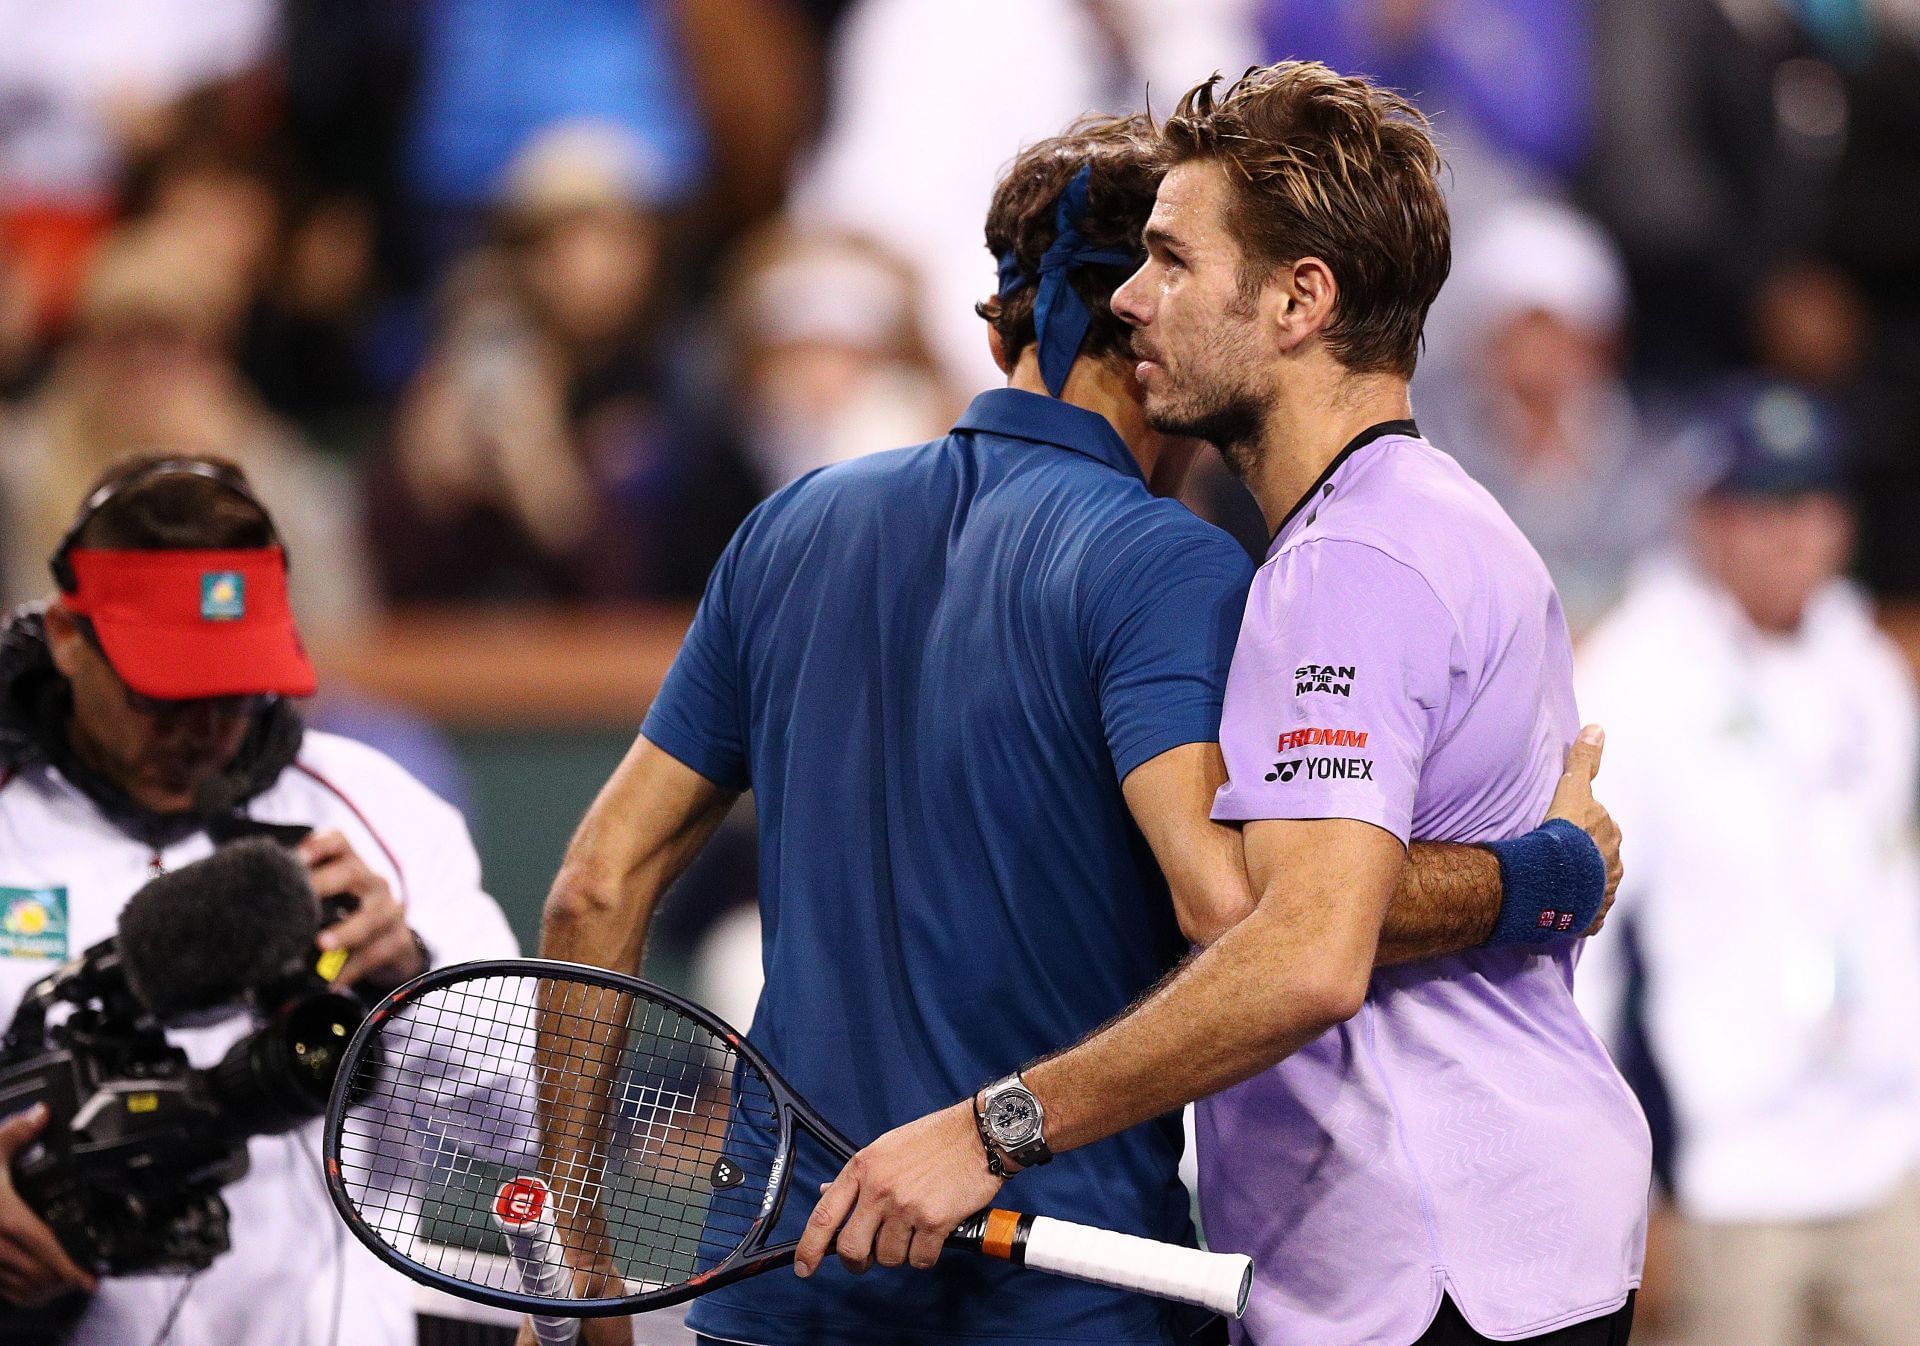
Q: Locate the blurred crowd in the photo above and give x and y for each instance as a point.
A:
(532, 303)
(509, 303)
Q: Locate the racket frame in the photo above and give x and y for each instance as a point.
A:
(747, 1258)
(995, 1233)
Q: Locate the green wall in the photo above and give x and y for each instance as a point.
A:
(530, 789)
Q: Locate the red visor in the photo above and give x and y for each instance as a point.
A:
(178, 625)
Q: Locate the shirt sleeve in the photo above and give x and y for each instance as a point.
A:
(1339, 686)
(699, 717)
(1161, 631)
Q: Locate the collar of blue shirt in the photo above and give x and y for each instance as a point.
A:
(1017, 414)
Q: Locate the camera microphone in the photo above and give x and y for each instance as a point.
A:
(204, 935)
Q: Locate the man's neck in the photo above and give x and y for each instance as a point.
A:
(1102, 387)
(1307, 427)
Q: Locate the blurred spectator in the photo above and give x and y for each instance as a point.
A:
(303, 344)
(1763, 745)
(829, 362)
(81, 83)
(758, 71)
(1510, 79)
(209, 189)
(218, 169)
(1809, 325)
(1524, 387)
(1736, 135)
(19, 321)
(929, 100)
(539, 455)
(350, 71)
(149, 369)
(495, 74)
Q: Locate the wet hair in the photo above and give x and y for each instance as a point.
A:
(1329, 166)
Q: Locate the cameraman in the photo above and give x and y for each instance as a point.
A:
(144, 718)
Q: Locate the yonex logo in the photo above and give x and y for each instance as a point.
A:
(773, 1185)
(726, 1174)
(1323, 768)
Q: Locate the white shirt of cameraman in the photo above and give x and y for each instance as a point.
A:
(294, 1276)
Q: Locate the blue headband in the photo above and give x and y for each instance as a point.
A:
(1060, 316)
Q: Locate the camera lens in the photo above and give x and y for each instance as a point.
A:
(279, 1076)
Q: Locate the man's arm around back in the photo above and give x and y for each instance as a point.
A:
(1297, 964)
(1448, 895)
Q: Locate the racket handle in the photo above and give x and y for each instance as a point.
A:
(555, 1331)
(542, 1272)
(535, 1249)
(1217, 1281)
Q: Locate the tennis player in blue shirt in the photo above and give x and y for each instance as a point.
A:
(975, 687)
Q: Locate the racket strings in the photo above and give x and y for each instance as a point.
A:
(653, 1140)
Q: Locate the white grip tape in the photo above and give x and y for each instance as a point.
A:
(543, 1272)
(1217, 1281)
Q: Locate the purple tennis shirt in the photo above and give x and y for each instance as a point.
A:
(1404, 661)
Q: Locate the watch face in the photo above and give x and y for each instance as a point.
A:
(1013, 1117)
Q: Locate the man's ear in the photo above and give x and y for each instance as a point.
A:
(1303, 296)
(63, 638)
(998, 349)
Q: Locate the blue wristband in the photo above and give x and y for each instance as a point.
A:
(1552, 881)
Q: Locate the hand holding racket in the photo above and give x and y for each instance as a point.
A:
(569, 1142)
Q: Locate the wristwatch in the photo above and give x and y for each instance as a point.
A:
(1012, 1125)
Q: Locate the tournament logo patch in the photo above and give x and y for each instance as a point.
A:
(33, 923)
(223, 596)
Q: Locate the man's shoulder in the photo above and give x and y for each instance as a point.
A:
(1146, 543)
(1112, 514)
(1158, 521)
(1414, 505)
(867, 488)
(869, 475)
(1411, 491)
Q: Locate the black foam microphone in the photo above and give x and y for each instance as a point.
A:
(205, 934)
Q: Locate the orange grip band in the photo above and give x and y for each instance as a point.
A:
(997, 1241)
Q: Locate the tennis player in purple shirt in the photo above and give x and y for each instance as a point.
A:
(1439, 1152)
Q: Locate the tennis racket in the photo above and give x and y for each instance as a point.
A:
(569, 1142)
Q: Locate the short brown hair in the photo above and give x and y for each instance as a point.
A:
(1125, 174)
(1330, 166)
(175, 511)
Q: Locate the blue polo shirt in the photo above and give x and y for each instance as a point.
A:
(934, 667)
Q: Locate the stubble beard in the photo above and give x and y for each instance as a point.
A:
(1226, 414)
(1232, 422)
